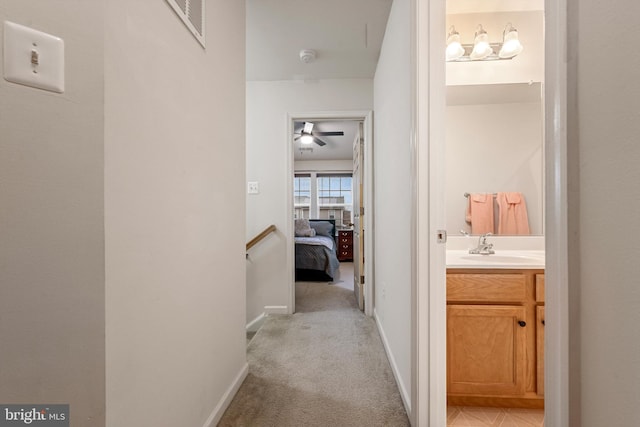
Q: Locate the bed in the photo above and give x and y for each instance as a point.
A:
(316, 258)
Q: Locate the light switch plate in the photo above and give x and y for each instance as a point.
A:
(33, 58)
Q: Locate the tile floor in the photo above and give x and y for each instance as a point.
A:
(459, 416)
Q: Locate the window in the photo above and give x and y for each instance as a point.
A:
(301, 195)
(335, 198)
(324, 196)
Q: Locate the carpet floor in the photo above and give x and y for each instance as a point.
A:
(322, 366)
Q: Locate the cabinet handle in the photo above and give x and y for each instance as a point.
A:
(522, 323)
(543, 321)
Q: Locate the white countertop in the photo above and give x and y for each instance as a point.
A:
(505, 259)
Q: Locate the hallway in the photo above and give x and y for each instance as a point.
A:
(324, 365)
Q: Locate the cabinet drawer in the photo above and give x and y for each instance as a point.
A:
(345, 236)
(539, 287)
(486, 287)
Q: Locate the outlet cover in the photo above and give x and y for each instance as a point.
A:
(253, 187)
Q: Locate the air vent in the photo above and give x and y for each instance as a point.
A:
(192, 14)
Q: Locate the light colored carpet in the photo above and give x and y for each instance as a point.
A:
(323, 366)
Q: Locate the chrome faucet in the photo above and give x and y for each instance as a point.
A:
(483, 248)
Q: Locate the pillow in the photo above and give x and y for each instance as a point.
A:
(323, 228)
(302, 228)
(306, 233)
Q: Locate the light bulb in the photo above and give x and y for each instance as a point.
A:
(511, 45)
(481, 48)
(454, 48)
(306, 139)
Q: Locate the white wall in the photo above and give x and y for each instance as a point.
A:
(604, 213)
(492, 148)
(174, 170)
(323, 165)
(267, 106)
(51, 220)
(392, 201)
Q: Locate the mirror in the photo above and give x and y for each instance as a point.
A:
(495, 129)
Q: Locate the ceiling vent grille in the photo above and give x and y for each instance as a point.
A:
(192, 14)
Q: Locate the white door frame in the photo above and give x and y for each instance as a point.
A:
(556, 357)
(366, 116)
(428, 391)
(428, 281)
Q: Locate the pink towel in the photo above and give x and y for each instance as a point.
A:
(480, 213)
(512, 214)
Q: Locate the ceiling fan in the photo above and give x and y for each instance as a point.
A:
(307, 135)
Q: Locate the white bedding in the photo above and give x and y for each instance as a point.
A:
(317, 240)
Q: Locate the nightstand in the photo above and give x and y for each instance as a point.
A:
(345, 245)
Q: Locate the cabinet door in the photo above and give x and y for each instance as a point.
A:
(486, 349)
(540, 349)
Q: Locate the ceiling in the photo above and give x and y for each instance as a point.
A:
(337, 148)
(346, 35)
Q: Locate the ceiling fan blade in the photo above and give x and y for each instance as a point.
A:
(332, 133)
(319, 141)
(297, 137)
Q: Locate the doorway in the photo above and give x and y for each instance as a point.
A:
(348, 222)
(429, 390)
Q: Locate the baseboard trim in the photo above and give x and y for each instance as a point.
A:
(226, 399)
(276, 309)
(394, 366)
(255, 324)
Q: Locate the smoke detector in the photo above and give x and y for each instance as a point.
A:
(307, 55)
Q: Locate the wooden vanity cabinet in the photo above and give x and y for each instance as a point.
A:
(486, 349)
(493, 337)
(540, 333)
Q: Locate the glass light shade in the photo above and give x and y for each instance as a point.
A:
(306, 139)
(454, 48)
(511, 45)
(481, 48)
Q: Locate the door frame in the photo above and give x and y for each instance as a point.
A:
(428, 111)
(428, 398)
(366, 116)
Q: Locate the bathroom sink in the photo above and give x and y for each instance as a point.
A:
(501, 259)
(507, 259)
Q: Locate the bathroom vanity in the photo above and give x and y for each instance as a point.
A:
(495, 329)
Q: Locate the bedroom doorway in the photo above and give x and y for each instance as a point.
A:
(331, 181)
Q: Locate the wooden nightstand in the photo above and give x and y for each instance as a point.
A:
(345, 245)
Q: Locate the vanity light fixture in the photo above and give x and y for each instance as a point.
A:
(482, 49)
(511, 46)
(454, 47)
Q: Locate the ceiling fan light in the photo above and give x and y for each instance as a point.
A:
(481, 47)
(511, 45)
(306, 139)
(454, 47)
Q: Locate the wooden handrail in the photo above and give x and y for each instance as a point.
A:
(261, 236)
